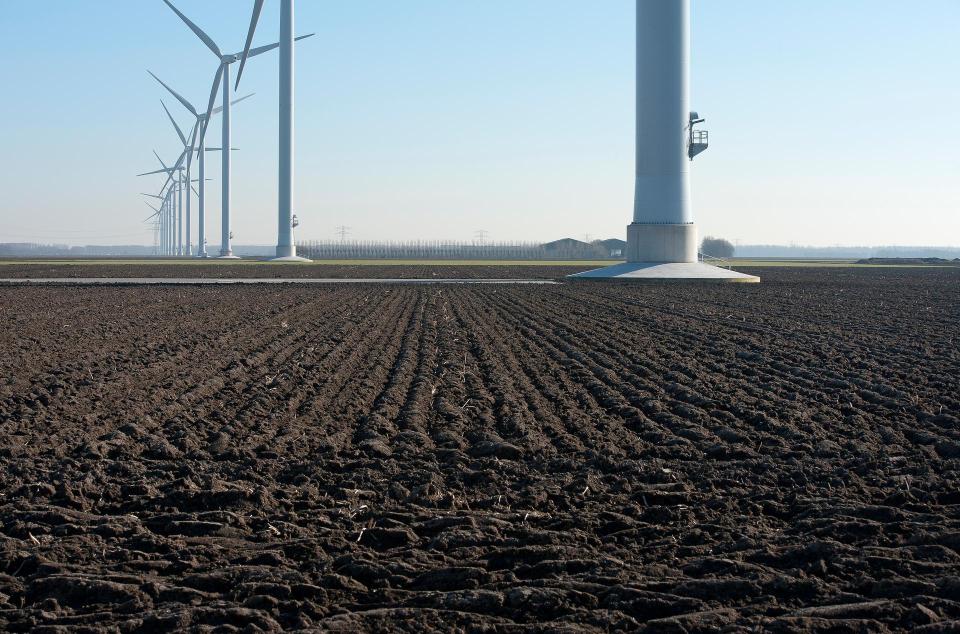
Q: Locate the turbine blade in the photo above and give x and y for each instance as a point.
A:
(183, 139)
(197, 30)
(153, 196)
(236, 101)
(254, 20)
(219, 109)
(269, 47)
(176, 168)
(193, 142)
(186, 104)
(163, 171)
(263, 49)
(213, 100)
(161, 161)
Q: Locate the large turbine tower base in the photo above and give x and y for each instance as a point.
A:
(661, 243)
(662, 240)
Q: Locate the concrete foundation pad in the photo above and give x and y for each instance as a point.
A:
(228, 257)
(290, 258)
(666, 272)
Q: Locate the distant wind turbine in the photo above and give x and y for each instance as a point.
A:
(169, 198)
(161, 214)
(198, 146)
(160, 246)
(157, 224)
(187, 145)
(223, 75)
(178, 199)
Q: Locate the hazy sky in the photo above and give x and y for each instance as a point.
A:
(831, 121)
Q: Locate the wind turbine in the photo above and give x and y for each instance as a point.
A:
(157, 213)
(161, 215)
(169, 200)
(159, 222)
(223, 74)
(187, 146)
(200, 121)
(169, 224)
(286, 248)
(178, 200)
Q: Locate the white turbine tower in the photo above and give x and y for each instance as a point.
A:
(201, 150)
(223, 74)
(662, 240)
(286, 248)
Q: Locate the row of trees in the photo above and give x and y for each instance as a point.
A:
(717, 247)
(422, 249)
(566, 249)
(452, 250)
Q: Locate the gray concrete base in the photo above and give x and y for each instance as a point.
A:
(290, 258)
(228, 257)
(661, 243)
(665, 272)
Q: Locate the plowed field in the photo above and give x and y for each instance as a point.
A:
(583, 457)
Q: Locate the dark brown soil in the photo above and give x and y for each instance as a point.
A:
(584, 457)
(911, 261)
(296, 271)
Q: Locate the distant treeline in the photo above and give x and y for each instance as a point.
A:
(566, 249)
(452, 250)
(780, 251)
(31, 250)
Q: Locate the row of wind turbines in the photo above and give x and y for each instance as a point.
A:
(172, 217)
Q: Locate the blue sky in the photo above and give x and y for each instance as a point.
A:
(832, 122)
